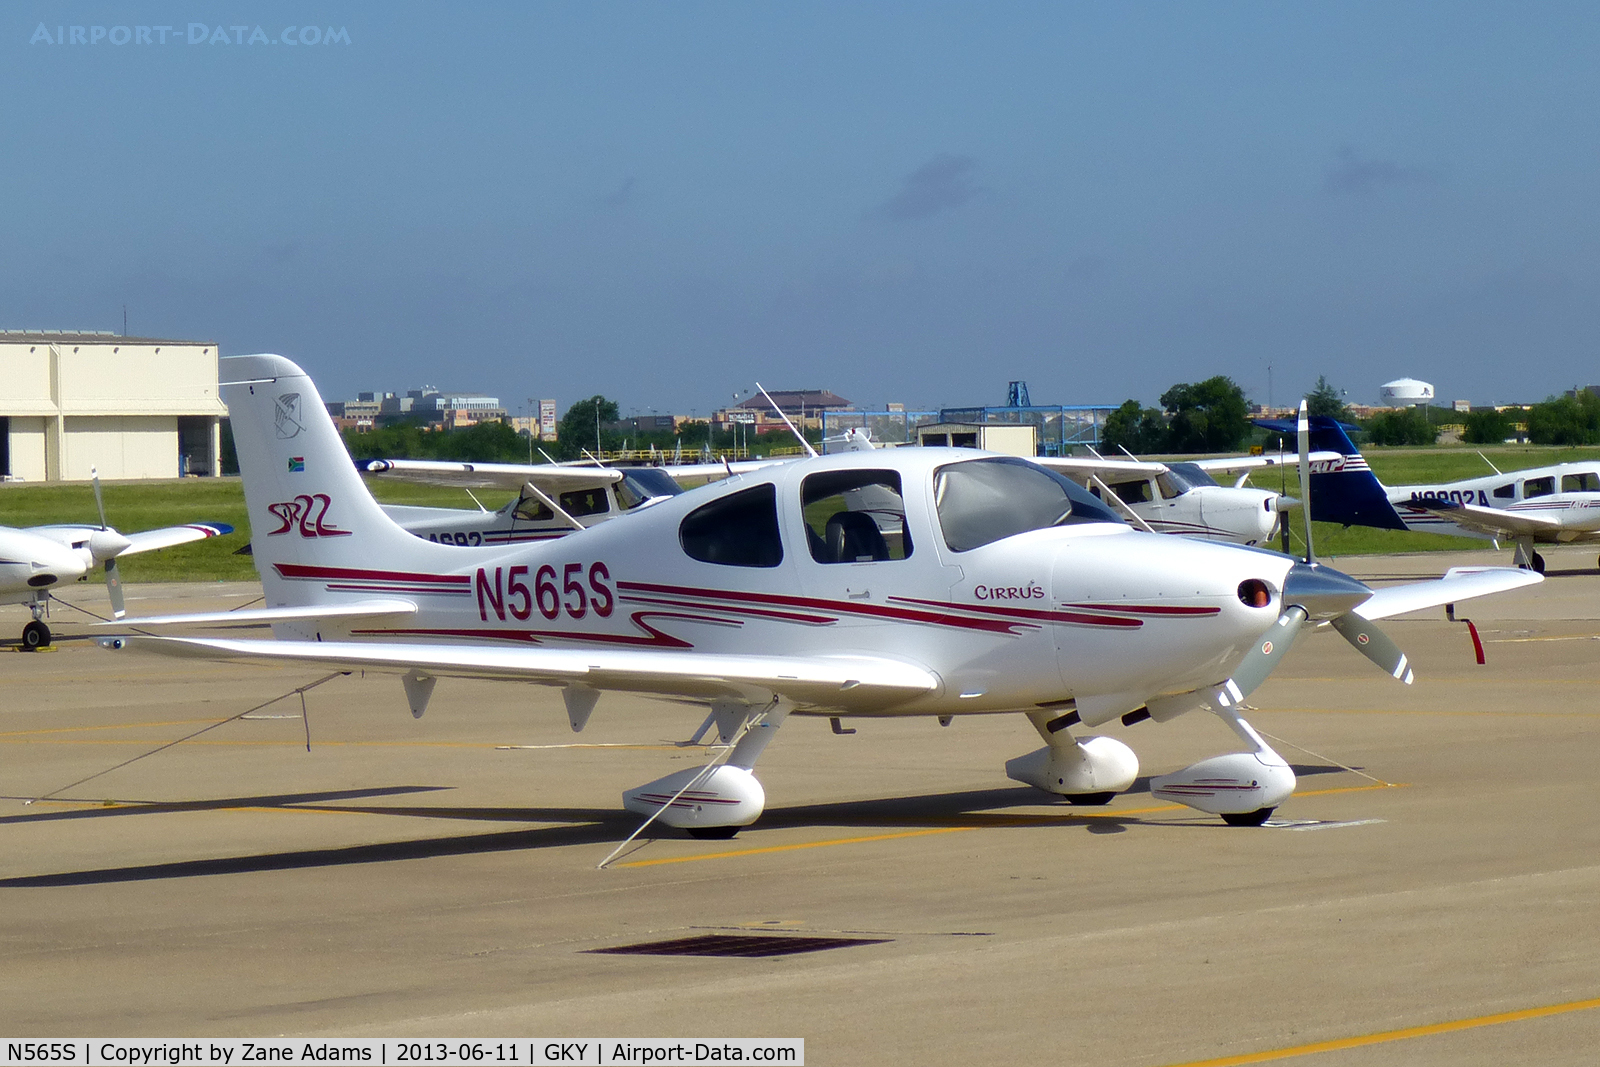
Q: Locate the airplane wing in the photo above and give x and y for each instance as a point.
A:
(257, 616)
(1234, 464)
(845, 683)
(1458, 583)
(549, 477)
(1081, 468)
(682, 472)
(150, 540)
(1496, 521)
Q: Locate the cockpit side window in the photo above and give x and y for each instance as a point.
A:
(738, 530)
(985, 500)
(581, 502)
(855, 516)
(1134, 492)
(1507, 491)
(1538, 487)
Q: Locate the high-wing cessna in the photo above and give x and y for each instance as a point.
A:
(1003, 588)
(553, 500)
(1555, 504)
(35, 560)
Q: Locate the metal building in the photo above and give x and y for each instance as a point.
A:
(133, 407)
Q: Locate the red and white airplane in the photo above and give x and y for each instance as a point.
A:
(1000, 588)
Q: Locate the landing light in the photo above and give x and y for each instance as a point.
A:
(1254, 593)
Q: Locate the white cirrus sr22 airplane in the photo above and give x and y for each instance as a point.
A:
(999, 588)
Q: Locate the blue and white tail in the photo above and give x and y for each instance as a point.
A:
(317, 534)
(1342, 490)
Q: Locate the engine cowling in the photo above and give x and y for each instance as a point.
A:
(728, 796)
(1092, 765)
(1234, 784)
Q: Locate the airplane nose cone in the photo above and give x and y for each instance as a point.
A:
(107, 544)
(1323, 591)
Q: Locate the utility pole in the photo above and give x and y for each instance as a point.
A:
(533, 420)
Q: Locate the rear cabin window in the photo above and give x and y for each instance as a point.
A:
(985, 500)
(581, 502)
(855, 516)
(1538, 487)
(740, 530)
(1587, 482)
(1506, 492)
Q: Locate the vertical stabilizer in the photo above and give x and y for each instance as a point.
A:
(1344, 490)
(317, 534)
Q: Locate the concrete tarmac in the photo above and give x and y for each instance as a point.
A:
(437, 877)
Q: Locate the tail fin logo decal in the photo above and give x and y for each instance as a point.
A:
(287, 414)
(306, 514)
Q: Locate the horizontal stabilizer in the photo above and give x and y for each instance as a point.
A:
(1458, 583)
(256, 616)
(859, 684)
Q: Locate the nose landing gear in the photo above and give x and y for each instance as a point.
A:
(35, 635)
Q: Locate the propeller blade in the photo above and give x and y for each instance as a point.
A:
(1303, 432)
(100, 505)
(1373, 643)
(1264, 657)
(114, 588)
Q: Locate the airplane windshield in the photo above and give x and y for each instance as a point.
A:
(644, 483)
(1188, 476)
(984, 500)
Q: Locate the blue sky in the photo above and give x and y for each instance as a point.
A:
(917, 203)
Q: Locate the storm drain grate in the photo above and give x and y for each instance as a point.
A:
(739, 945)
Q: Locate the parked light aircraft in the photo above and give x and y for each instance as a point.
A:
(1007, 589)
(1554, 504)
(1177, 498)
(36, 560)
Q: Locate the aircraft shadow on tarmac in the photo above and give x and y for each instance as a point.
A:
(573, 826)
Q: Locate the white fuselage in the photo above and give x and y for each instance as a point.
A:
(1569, 492)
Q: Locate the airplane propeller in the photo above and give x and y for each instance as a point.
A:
(106, 544)
(1314, 593)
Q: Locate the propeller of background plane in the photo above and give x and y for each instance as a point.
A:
(105, 545)
(1312, 592)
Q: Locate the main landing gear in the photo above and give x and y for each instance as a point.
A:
(1526, 557)
(719, 800)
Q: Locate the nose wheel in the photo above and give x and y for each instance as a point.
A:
(35, 636)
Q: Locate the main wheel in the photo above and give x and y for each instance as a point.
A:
(713, 833)
(1538, 563)
(1089, 800)
(35, 635)
(1248, 818)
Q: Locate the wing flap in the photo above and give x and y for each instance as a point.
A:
(859, 684)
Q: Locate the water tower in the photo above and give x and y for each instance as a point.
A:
(1406, 392)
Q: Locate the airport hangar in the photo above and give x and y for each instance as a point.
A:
(132, 407)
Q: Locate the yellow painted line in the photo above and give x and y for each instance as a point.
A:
(1397, 1035)
(112, 726)
(795, 848)
(996, 822)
